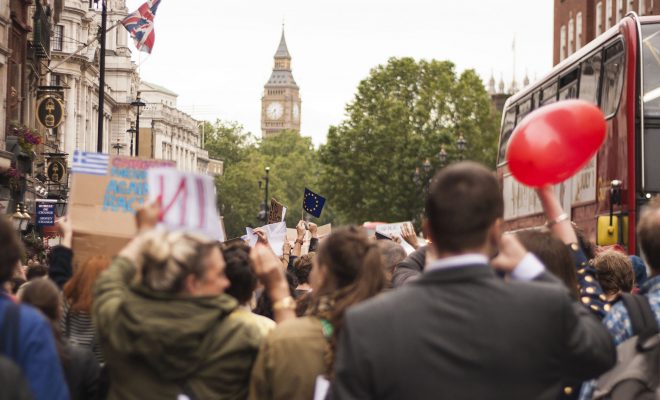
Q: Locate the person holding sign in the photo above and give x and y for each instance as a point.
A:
(169, 334)
(347, 270)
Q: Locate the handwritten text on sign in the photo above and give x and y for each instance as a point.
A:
(127, 188)
(187, 201)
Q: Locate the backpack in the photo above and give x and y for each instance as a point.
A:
(636, 375)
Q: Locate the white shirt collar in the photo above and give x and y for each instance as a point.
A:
(457, 261)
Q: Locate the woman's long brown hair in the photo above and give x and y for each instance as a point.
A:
(354, 273)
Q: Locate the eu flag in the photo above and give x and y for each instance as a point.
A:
(313, 203)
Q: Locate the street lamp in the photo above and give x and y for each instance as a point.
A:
(263, 212)
(131, 131)
(461, 143)
(137, 104)
(118, 146)
(442, 155)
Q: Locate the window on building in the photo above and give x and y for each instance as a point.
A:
(613, 69)
(590, 79)
(608, 14)
(578, 31)
(641, 7)
(599, 18)
(55, 80)
(571, 36)
(562, 43)
(619, 9)
(57, 40)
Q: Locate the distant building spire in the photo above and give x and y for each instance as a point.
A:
(282, 49)
(491, 84)
(526, 80)
(501, 85)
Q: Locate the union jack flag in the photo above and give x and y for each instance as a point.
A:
(140, 25)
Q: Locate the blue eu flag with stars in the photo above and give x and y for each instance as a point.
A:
(313, 203)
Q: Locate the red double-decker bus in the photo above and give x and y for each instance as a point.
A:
(620, 72)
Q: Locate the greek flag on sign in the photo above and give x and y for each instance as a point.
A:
(90, 163)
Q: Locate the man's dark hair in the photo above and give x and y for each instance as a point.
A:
(239, 271)
(36, 271)
(464, 200)
(648, 232)
(11, 250)
(303, 266)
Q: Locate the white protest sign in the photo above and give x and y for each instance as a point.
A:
(276, 234)
(394, 230)
(187, 201)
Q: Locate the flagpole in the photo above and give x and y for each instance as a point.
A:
(104, 25)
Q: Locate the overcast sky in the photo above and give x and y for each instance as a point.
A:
(217, 55)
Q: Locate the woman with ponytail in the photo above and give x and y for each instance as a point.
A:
(347, 270)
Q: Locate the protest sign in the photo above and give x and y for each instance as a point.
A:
(276, 234)
(394, 230)
(277, 212)
(188, 201)
(105, 192)
(321, 232)
(46, 212)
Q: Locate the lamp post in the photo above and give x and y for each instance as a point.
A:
(461, 144)
(137, 104)
(263, 212)
(131, 131)
(118, 146)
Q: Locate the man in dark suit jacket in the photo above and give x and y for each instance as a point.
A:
(461, 332)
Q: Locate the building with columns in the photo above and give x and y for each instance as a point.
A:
(577, 22)
(280, 104)
(168, 133)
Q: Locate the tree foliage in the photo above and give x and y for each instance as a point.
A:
(293, 166)
(401, 115)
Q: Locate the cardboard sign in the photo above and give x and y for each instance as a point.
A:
(394, 230)
(277, 212)
(188, 201)
(321, 232)
(105, 193)
(276, 234)
(46, 212)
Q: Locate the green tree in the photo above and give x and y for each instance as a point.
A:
(293, 164)
(401, 115)
(227, 141)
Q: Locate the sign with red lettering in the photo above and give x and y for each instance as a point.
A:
(187, 199)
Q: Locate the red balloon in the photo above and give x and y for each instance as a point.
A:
(554, 142)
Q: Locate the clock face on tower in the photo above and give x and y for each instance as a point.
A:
(275, 110)
(296, 113)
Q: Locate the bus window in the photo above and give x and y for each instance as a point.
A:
(549, 94)
(507, 129)
(523, 109)
(590, 79)
(568, 85)
(612, 78)
(651, 98)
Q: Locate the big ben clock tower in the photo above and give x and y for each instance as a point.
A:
(280, 104)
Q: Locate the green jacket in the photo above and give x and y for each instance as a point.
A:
(157, 344)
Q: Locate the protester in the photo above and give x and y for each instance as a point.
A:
(410, 268)
(461, 332)
(618, 320)
(80, 367)
(615, 274)
(347, 270)
(76, 322)
(25, 336)
(242, 284)
(553, 254)
(168, 334)
(302, 268)
(641, 274)
(393, 254)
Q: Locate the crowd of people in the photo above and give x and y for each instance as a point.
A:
(476, 313)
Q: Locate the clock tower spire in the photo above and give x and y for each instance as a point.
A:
(280, 104)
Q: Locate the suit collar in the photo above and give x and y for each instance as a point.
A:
(461, 273)
(457, 261)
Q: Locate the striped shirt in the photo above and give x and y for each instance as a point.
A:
(79, 329)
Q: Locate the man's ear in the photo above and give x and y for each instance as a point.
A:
(495, 234)
(190, 284)
(426, 229)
